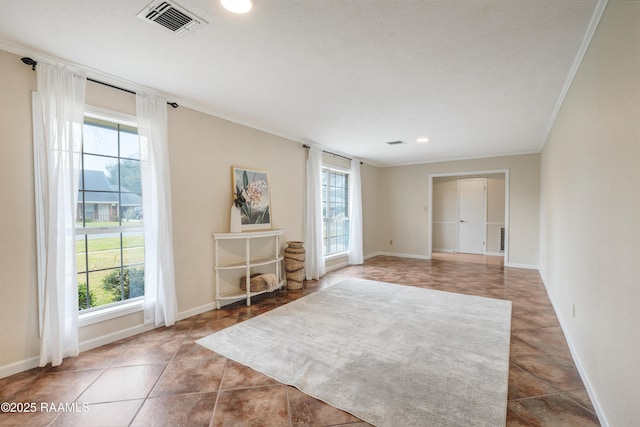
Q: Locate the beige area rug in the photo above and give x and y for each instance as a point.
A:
(391, 355)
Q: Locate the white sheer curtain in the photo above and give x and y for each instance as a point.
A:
(314, 261)
(355, 217)
(59, 117)
(160, 305)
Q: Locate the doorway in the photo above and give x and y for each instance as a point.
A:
(472, 215)
(444, 218)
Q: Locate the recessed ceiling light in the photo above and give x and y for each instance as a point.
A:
(422, 140)
(237, 6)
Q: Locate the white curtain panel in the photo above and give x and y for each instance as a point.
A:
(58, 142)
(355, 217)
(314, 261)
(160, 305)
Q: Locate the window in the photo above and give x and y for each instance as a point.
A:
(109, 217)
(335, 211)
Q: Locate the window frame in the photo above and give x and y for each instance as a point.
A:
(326, 199)
(115, 309)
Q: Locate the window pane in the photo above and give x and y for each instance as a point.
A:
(81, 258)
(105, 286)
(100, 137)
(134, 282)
(335, 207)
(129, 144)
(84, 299)
(104, 251)
(345, 230)
(131, 196)
(132, 248)
(132, 216)
(130, 176)
(100, 173)
(99, 209)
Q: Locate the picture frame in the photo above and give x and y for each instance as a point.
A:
(251, 191)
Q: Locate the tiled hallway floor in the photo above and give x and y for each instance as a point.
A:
(163, 378)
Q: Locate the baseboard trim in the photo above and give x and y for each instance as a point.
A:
(114, 336)
(346, 264)
(197, 310)
(336, 266)
(19, 366)
(373, 255)
(494, 254)
(516, 265)
(583, 375)
(399, 255)
(453, 251)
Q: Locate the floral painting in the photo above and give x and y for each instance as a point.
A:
(251, 196)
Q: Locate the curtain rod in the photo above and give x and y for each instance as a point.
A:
(333, 154)
(32, 62)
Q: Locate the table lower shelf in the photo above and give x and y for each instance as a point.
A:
(241, 294)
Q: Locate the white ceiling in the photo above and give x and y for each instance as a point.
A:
(477, 77)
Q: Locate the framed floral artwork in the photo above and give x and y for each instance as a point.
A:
(251, 195)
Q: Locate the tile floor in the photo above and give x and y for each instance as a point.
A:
(163, 378)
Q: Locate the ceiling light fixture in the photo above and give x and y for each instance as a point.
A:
(422, 140)
(237, 6)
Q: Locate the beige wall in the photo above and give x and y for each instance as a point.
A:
(18, 297)
(445, 211)
(202, 150)
(590, 200)
(404, 199)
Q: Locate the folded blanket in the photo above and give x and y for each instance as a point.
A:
(259, 282)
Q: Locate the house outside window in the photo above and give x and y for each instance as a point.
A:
(335, 211)
(109, 217)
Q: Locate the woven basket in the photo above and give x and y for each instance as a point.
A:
(256, 284)
(294, 255)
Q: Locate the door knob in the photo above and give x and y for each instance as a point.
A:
(462, 220)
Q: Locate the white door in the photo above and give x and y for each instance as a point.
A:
(472, 215)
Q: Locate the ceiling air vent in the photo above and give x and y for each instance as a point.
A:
(171, 16)
(398, 142)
